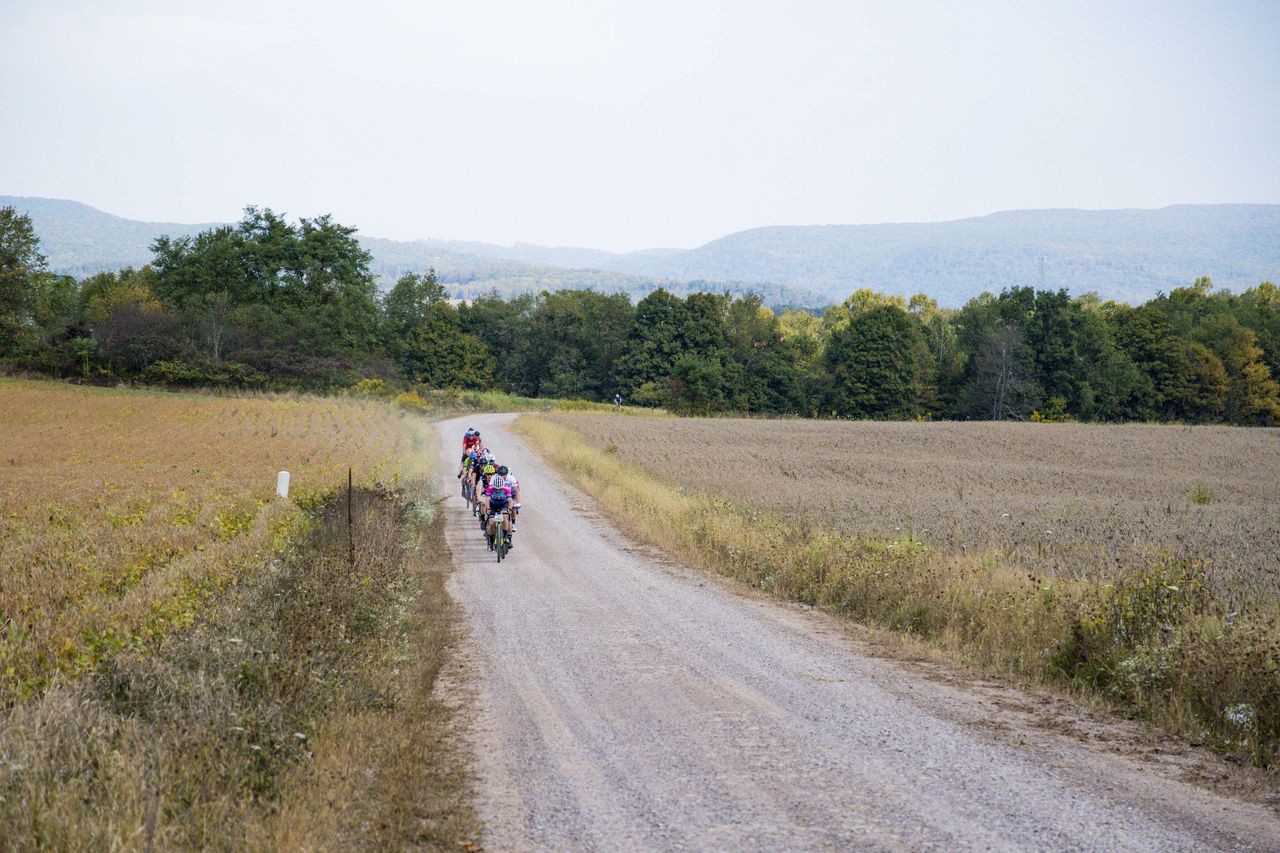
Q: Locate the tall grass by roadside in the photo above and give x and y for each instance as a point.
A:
(296, 713)
(1156, 642)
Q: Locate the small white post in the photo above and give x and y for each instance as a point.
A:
(282, 484)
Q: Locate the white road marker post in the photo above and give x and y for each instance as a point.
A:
(282, 484)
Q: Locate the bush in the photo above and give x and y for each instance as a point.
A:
(371, 388)
(1055, 412)
(413, 401)
(183, 374)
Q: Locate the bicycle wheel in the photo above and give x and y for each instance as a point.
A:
(501, 545)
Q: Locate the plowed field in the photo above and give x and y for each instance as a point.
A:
(1074, 499)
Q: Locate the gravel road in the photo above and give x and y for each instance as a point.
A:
(623, 702)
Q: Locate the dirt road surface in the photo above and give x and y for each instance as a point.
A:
(623, 702)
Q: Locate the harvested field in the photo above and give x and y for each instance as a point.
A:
(1074, 499)
(121, 513)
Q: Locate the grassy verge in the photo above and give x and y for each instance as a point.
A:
(1155, 642)
(296, 712)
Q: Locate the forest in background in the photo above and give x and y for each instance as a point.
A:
(267, 303)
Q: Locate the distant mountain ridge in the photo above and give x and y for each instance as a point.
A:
(81, 240)
(1120, 254)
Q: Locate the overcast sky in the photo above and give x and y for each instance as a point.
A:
(637, 124)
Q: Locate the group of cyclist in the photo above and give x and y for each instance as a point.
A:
(491, 488)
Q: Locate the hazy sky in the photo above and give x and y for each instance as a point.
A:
(638, 124)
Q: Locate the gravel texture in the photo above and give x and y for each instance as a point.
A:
(622, 702)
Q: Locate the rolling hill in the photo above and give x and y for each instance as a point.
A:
(81, 240)
(1120, 254)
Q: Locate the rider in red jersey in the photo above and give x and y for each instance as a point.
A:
(470, 442)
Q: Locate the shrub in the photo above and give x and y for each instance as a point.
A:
(371, 388)
(185, 374)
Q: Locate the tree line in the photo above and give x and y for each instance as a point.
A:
(270, 303)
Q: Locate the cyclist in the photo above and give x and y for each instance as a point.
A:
(483, 471)
(470, 469)
(477, 472)
(513, 484)
(470, 443)
(498, 502)
(469, 460)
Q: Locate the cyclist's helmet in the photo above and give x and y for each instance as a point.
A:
(504, 470)
(474, 456)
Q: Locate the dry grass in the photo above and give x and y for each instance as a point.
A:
(1074, 500)
(123, 513)
(296, 714)
(1153, 639)
(190, 663)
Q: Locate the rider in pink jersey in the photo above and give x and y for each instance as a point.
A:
(499, 498)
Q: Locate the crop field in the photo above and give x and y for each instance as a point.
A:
(121, 513)
(1073, 499)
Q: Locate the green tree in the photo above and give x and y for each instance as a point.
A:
(1053, 331)
(57, 306)
(439, 354)
(766, 366)
(21, 269)
(406, 306)
(502, 325)
(947, 359)
(1111, 387)
(654, 344)
(308, 287)
(805, 339)
(877, 362)
(1001, 383)
(577, 338)
(1148, 338)
(697, 385)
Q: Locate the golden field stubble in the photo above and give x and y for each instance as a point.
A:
(1073, 499)
(121, 512)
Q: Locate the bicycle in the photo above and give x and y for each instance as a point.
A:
(500, 540)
